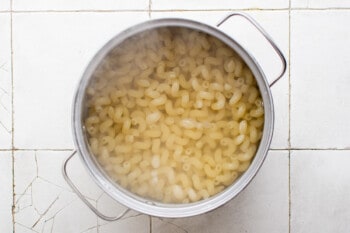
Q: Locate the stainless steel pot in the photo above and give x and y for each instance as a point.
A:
(147, 206)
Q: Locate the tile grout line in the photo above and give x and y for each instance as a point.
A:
(149, 8)
(12, 121)
(177, 10)
(289, 80)
(42, 149)
(289, 195)
(320, 9)
(225, 9)
(289, 120)
(150, 224)
(74, 11)
(321, 149)
(144, 10)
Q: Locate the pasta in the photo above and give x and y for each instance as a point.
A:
(174, 115)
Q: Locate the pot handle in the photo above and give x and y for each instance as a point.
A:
(267, 37)
(81, 196)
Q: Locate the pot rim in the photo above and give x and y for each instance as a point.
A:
(151, 207)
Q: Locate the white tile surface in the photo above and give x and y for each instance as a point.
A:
(48, 61)
(5, 82)
(320, 4)
(51, 50)
(90, 5)
(320, 81)
(112, 208)
(276, 24)
(320, 191)
(5, 5)
(261, 207)
(45, 203)
(218, 4)
(139, 224)
(6, 192)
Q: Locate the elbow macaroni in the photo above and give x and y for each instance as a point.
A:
(174, 115)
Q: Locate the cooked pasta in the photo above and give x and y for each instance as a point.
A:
(174, 115)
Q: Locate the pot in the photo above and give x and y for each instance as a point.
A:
(147, 206)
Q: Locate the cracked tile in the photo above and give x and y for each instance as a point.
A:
(27, 169)
(5, 82)
(132, 222)
(261, 207)
(167, 225)
(66, 5)
(111, 208)
(93, 230)
(218, 4)
(23, 229)
(6, 192)
(138, 224)
(45, 203)
(52, 160)
(45, 84)
(67, 221)
(276, 24)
